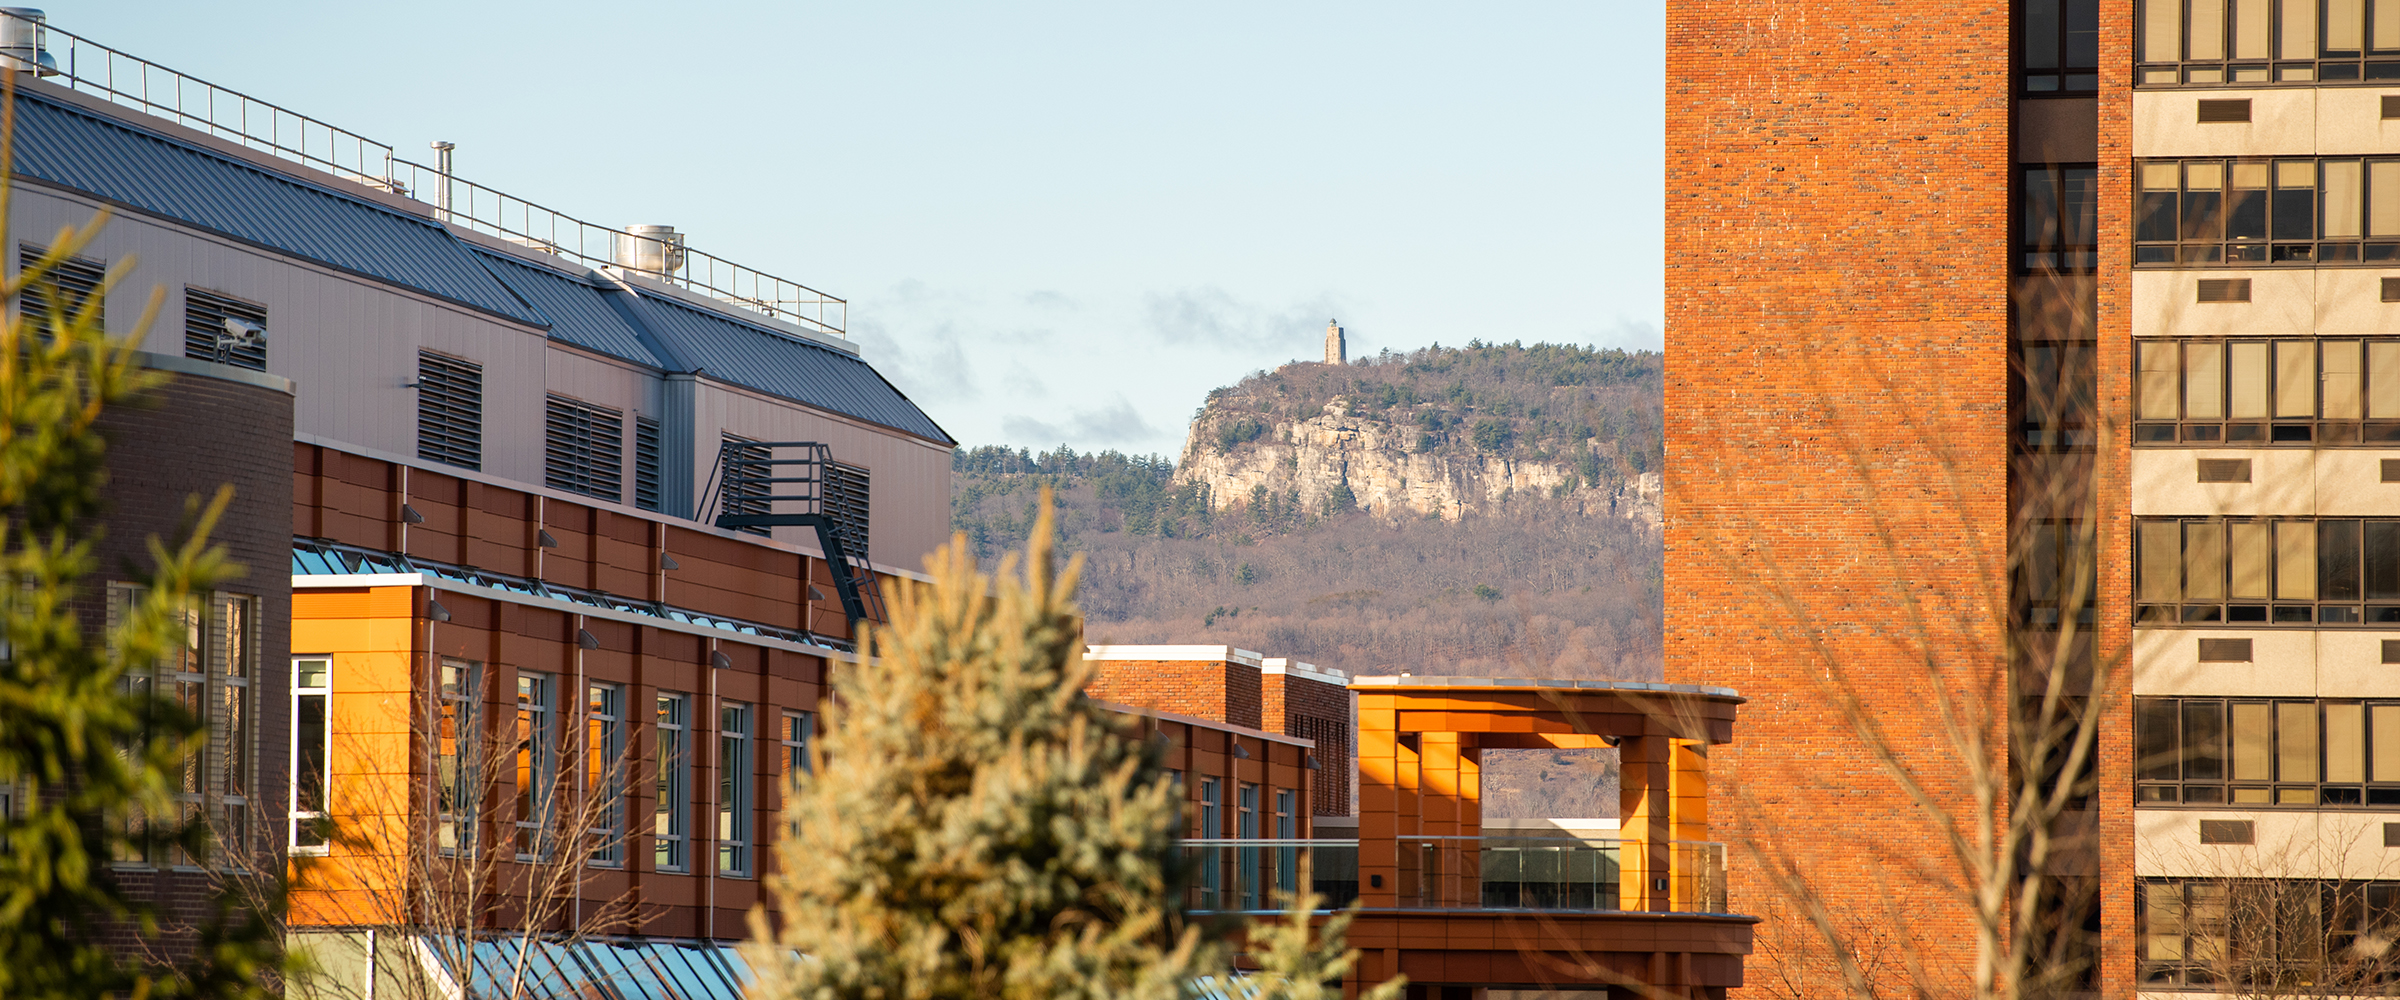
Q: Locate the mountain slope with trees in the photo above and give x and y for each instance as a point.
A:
(1561, 580)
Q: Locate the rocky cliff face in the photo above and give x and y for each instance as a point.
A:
(1390, 471)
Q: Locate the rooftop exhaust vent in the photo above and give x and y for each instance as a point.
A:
(650, 249)
(23, 41)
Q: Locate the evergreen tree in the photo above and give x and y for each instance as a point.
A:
(89, 761)
(1295, 963)
(975, 826)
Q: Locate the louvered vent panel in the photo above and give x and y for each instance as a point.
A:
(2224, 289)
(75, 280)
(207, 337)
(584, 449)
(449, 410)
(845, 502)
(647, 446)
(2213, 111)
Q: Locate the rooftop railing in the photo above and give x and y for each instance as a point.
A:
(89, 67)
(1470, 873)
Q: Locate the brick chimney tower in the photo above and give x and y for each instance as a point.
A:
(1337, 350)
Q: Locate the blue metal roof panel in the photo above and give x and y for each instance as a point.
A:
(118, 162)
(747, 355)
(578, 309)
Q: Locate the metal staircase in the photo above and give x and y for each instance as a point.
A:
(772, 484)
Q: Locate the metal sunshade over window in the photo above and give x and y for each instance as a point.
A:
(224, 330)
(449, 410)
(585, 449)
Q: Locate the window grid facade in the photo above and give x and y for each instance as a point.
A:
(449, 410)
(584, 449)
(2256, 753)
(2267, 212)
(2059, 224)
(2249, 392)
(2256, 43)
(2269, 937)
(2267, 570)
(224, 330)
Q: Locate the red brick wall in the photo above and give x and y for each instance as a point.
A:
(1217, 690)
(1314, 708)
(1837, 281)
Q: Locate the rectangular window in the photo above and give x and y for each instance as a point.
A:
(796, 729)
(1246, 827)
(2058, 225)
(2248, 43)
(225, 330)
(604, 772)
(1211, 889)
(2290, 212)
(584, 450)
(2260, 753)
(459, 756)
(449, 410)
(671, 818)
(733, 789)
(2299, 393)
(231, 657)
(69, 288)
(312, 753)
(535, 766)
(1287, 827)
(648, 462)
(2062, 46)
(2268, 571)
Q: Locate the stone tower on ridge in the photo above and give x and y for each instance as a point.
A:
(1337, 351)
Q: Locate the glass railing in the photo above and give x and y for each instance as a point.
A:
(1482, 873)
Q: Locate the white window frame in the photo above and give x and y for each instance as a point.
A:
(323, 692)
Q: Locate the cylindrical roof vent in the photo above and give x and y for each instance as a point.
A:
(653, 249)
(23, 41)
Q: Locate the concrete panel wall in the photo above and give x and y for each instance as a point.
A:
(2167, 123)
(2167, 303)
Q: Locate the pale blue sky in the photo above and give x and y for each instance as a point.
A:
(1054, 222)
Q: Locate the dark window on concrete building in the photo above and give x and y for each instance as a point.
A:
(449, 410)
(2267, 570)
(585, 448)
(2232, 935)
(2291, 212)
(2259, 753)
(647, 463)
(2248, 43)
(2304, 392)
(223, 330)
(73, 283)
(2062, 46)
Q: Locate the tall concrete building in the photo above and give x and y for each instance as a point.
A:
(2054, 335)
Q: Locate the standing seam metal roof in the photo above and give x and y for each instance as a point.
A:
(578, 310)
(117, 162)
(732, 351)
